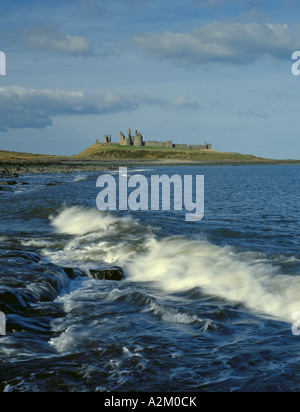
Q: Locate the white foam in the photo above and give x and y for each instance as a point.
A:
(139, 170)
(178, 264)
(65, 341)
(35, 243)
(79, 221)
(80, 178)
(172, 315)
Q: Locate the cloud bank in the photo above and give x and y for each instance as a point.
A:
(33, 108)
(220, 42)
(50, 39)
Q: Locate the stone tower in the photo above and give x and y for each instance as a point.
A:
(125, 141)
(107, 139)
(138, 139)
(129, 137)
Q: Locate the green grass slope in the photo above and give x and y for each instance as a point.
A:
(116, 151)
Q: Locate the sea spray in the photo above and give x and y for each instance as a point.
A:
(79, 221)
(177, 264)
(98, 335)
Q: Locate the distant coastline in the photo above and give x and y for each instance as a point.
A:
(99, 157)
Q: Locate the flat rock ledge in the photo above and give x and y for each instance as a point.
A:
(115, 273)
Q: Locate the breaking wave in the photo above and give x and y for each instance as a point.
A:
(177, 264)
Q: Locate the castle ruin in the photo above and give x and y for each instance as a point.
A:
(107, 139)
(138, 141)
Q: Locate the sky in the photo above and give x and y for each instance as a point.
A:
(190, 71)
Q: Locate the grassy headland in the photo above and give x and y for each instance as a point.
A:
(102, 157)
(167, 155)
(98, 150)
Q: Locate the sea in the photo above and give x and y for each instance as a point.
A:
(204, 306)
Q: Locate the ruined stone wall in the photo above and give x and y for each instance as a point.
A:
(138, 141)
(125, 141)
(107, 139)
(154, 143)
(198, 147)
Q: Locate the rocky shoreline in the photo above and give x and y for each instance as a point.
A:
(11, 169)
(37, 281)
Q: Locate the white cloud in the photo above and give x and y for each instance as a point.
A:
(33, 108)
(181, 102)
(220, 43)
(50, 39)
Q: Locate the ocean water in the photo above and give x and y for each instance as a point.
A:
(204, 306)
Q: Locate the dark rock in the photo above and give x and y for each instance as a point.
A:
(34, 257)
(115, 273)
(18, 323)
(8, 183)
(8, 175)
(25, 279)
(22, 183)
(73, 273)
(13, 301)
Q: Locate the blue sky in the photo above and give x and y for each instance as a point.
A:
(188, 71)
